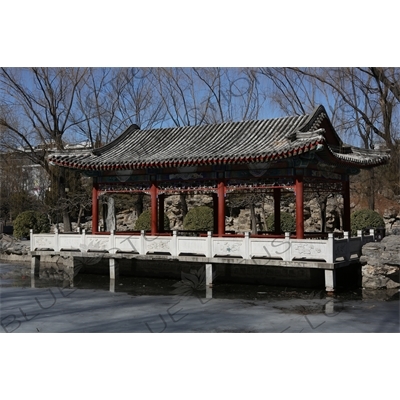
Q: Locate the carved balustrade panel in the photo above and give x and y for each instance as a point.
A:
(43, 241)
(69, 242)
(309, 250)
(270, 248)
(231, 247)
(128, 243)
(192, 245)
(156, 244)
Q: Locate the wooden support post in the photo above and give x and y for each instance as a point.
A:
(154, 224)
(277, 210)
(221, 207)
(330, 280)
(161, 198)
(95, 208)
(346, 205)
(299, 208)
(35, 265)
(209, 282)
(215, 212)
(209, 275)
(114, 268)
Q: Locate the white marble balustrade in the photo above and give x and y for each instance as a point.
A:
(329, 250)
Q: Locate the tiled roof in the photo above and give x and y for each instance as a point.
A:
(226, 143)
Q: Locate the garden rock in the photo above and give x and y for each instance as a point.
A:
(381, 269)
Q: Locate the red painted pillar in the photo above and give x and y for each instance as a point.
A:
(95, 208)
(277, 210)
(161, 198)
(221, 208)
(346, 205)
(215, 211)
(299, 208)
(153, 195)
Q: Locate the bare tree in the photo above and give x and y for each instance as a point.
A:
(363, 106)
(38, 112)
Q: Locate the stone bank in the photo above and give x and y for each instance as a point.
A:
(381, 264)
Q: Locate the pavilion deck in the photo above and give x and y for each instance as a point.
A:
(318, 250)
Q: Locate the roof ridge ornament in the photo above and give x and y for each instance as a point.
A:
(132, 128)
(305, 135)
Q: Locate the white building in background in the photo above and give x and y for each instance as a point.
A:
(19, 172)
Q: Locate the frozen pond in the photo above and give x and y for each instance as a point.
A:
(94, 303)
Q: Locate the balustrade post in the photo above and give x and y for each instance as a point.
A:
(247, 255)
(209, 245)
(83, 239)
(372, 233)
(347, 254)
(113, 247)
(330, 248)
(287, 255)
(56, 238)
(174, 244)
(142, 250)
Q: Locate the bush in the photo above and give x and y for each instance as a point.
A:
(199, 219)
(363, 219)
(143, 223)
(288, 223)
(30, 220)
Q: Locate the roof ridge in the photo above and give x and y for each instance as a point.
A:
(128, 131)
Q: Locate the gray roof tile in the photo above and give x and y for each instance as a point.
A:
(231, 142)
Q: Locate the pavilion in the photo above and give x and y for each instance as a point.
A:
(299, 154)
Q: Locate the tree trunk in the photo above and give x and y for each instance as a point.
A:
(371, 190)
(264, 217)
(109, 220)
(253, 219)
(184, 206)
(81, 210)
(322, 200)
(62, 198)
(139, 204)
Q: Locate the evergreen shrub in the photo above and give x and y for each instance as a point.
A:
(143, 223)
(365, 219)
(30, 220)
(199, 219)
(288, 223)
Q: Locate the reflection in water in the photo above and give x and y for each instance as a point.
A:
(20, 276)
